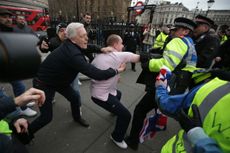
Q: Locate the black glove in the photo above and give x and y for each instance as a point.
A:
(156, 51)
(222, 74)
(24, 138)
(187, 122)
(144, 57)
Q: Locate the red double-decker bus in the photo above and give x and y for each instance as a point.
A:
(37, 19)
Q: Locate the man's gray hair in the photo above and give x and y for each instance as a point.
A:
(71, 31)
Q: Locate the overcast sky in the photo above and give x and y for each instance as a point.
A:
(191, 4)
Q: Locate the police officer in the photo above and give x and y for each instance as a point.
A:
(212, 99)
(223, 56)
(206, 44)
(131, 41)
(161, 38)
(178, 49)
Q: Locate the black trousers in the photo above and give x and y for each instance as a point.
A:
(133, 65)
(18, 147)
(114, 106)
(146, 104)
(46, 111)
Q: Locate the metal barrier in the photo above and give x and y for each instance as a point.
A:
(103, 30)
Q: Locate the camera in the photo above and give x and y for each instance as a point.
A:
(19, 56)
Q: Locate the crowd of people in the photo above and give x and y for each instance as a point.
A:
(199, 86)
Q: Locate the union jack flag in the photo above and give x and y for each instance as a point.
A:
(152, 124)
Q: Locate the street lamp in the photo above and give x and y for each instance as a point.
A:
(210, 3)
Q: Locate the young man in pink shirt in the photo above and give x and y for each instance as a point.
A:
(105, 94)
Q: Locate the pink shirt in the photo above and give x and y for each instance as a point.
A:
(101, 89)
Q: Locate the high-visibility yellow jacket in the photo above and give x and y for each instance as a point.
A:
(212, 100)
(176, 50)
(4, 128)
(160, 40)
(223, 39)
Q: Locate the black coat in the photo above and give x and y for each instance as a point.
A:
(224, 53)
(54, 43)
(207, 47)
(131, 40)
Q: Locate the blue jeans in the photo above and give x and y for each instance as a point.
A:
(146, 47)
(18, 89)
(76, 87)
(2, 92)
(13, 114)
(114, 106)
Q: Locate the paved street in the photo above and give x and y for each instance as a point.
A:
(63, 135)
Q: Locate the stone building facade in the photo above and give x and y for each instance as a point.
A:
(107, 10)
(99, 9)
(220, 17)
(166, 12)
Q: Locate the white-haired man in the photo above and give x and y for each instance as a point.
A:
(59, 70)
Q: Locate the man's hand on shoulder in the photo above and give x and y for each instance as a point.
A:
(107, 49)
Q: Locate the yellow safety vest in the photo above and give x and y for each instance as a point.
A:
(173, 54)
(4, 128)
(213, 101)
(200, 76)
(223, 39)
(160, 40)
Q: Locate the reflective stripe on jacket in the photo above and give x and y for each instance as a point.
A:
(191, 56)
(173, 54)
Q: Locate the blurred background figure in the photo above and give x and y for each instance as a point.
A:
(21, 26)
(86, 20)
(223, 56)
(222, 33)
(131, 42)
(161, 38)
(149, 34)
